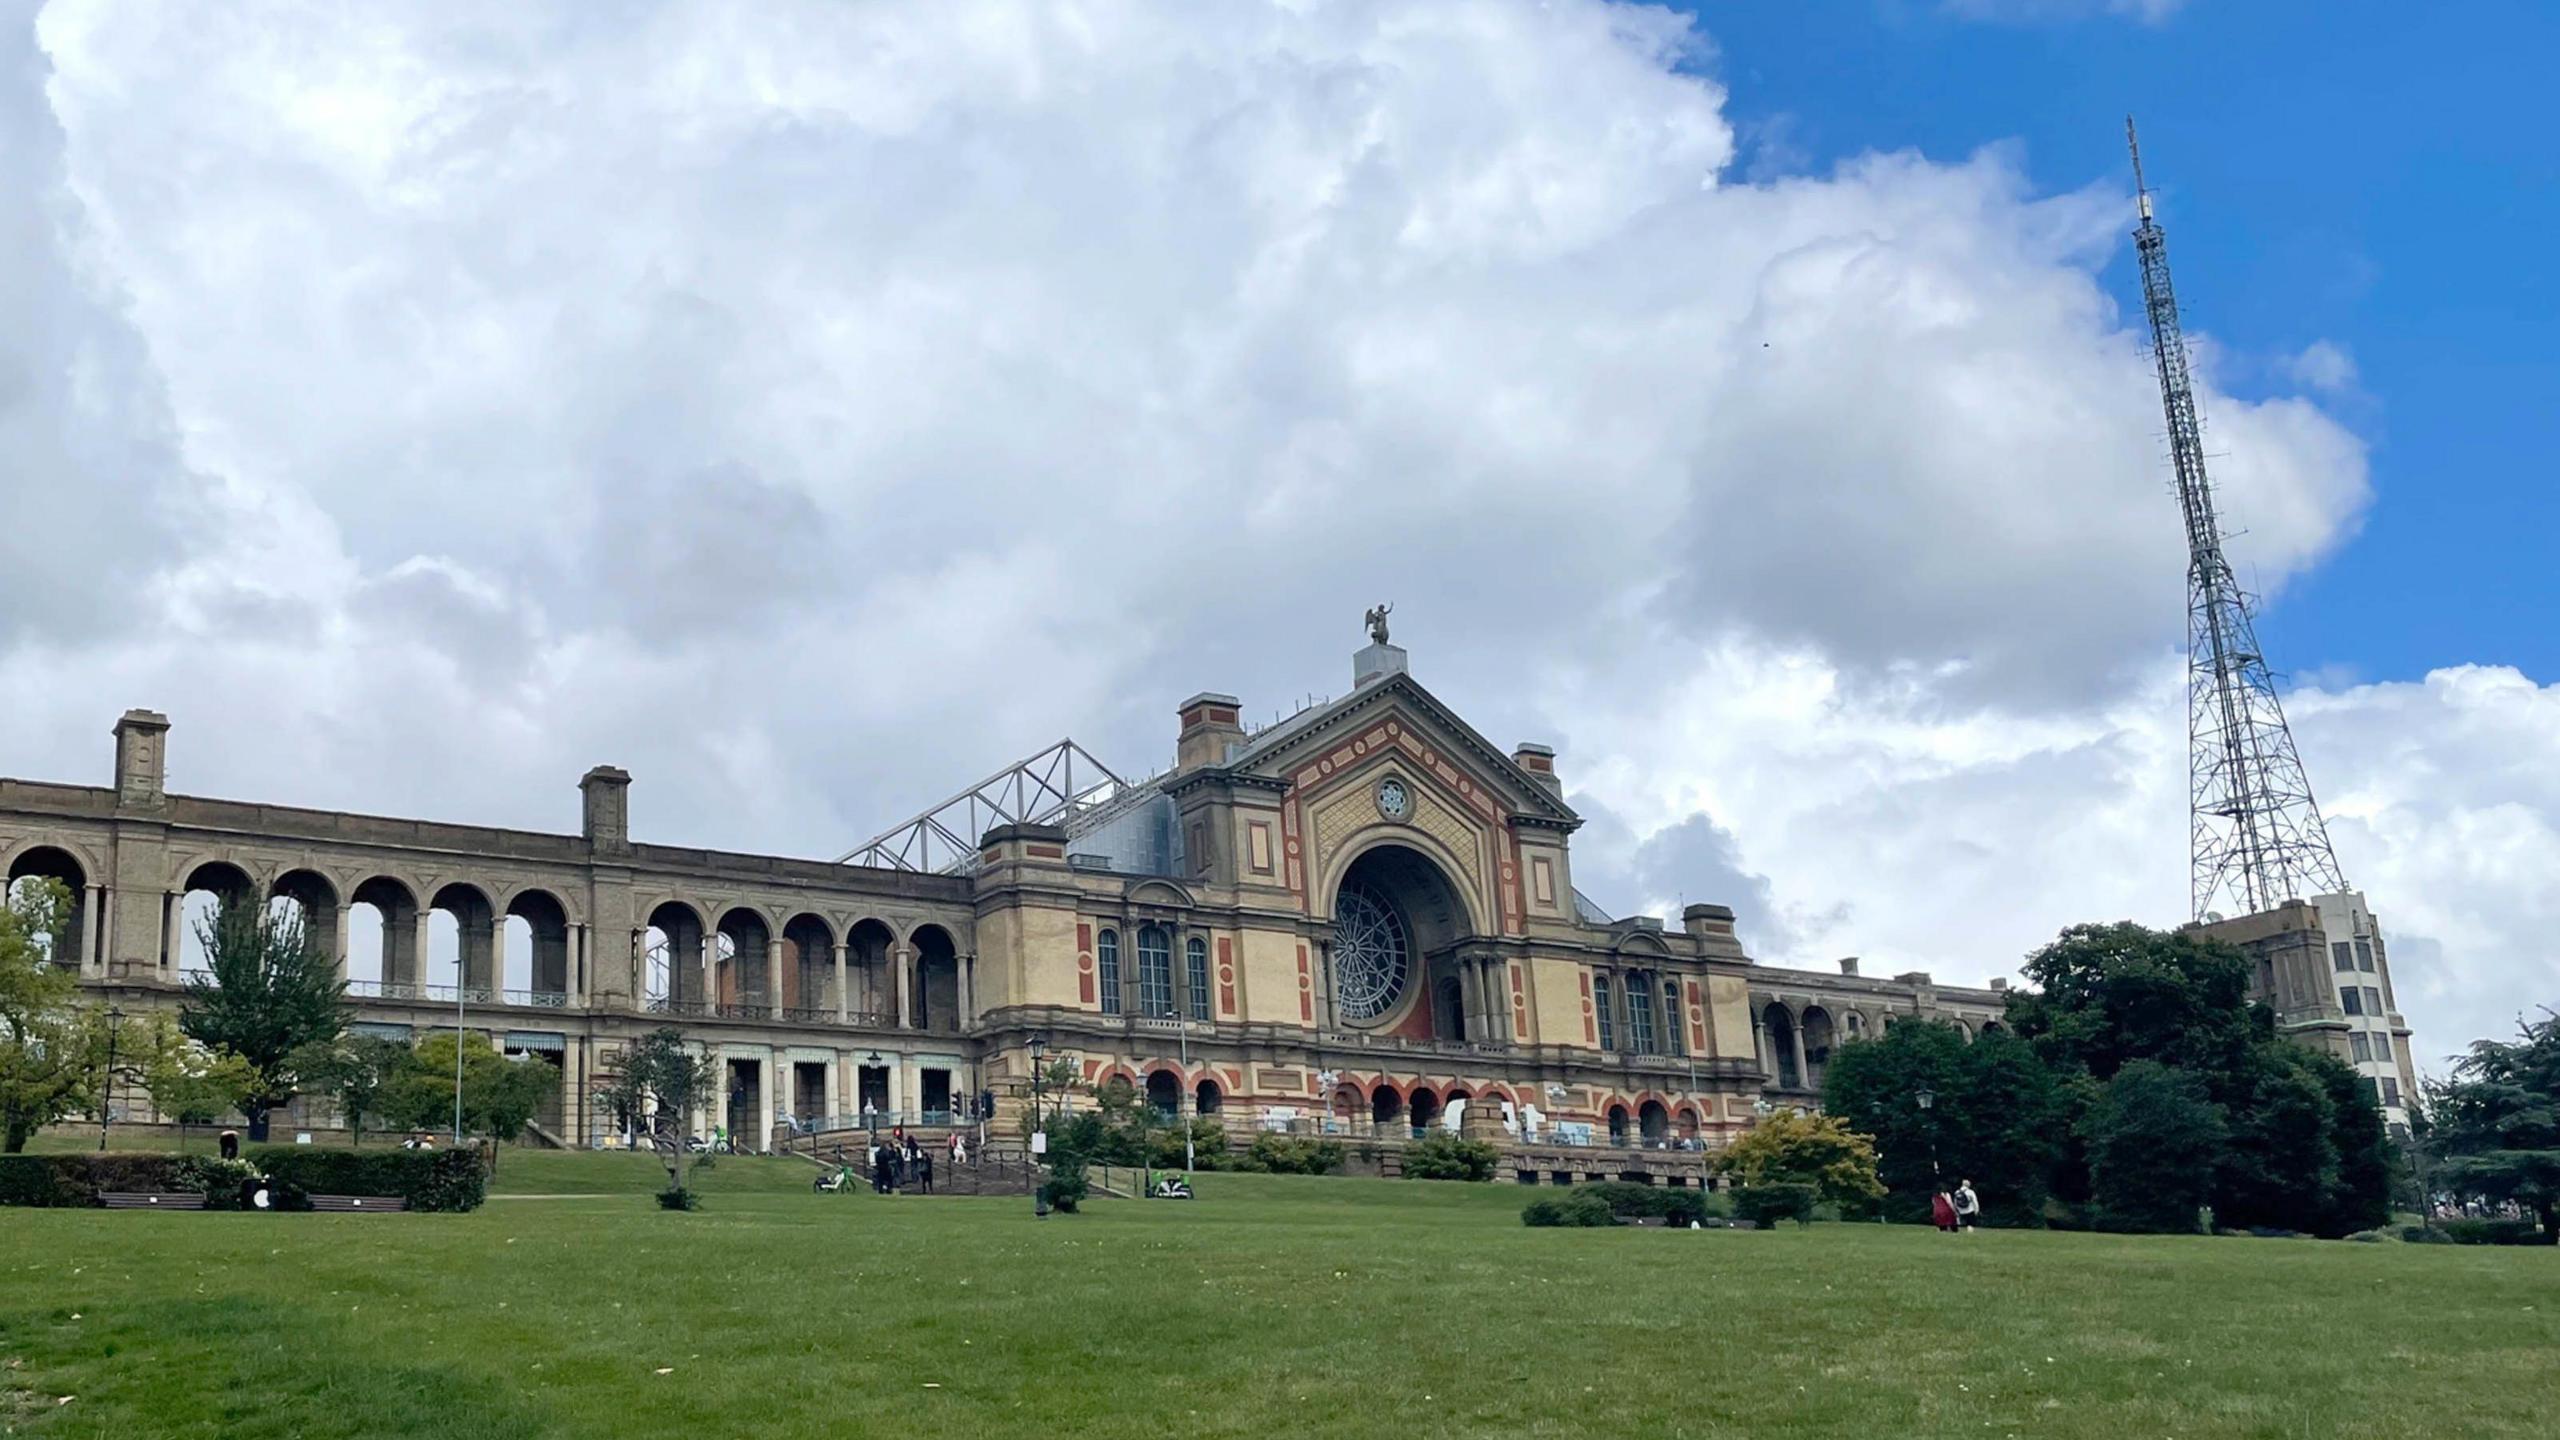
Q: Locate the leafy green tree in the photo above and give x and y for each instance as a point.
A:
(189, 1083)
(499, 1095)
(2368, 1168)
(1996, 1115)
(2108, 995)
(2280, 1167)
(2494, 1124)
(52, 1053)
(660, 1082)
(356, 1071)
(1792, 1147)
(269, 992)
(2155, 1140)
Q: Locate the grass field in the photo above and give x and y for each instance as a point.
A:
(1271, 1306)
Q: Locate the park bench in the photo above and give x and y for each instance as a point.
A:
(358, 1204)
(152, 1199)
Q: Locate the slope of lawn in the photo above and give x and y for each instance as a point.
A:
(570, 1305)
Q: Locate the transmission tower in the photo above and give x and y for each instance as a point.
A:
(2256, 835)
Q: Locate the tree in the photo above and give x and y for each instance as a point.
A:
(51, 1052)
(2108, 995)
(498, 1094)
(659, 1084)
(2494, 1124)
(1792, 1147)
(357, 1071)
(1995, 1116)
(189, 1083)
(269, 993)
(2154, 1142)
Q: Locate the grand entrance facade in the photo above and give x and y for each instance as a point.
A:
(1360, 920)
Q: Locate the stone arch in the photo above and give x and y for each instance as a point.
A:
(742, 965)
(1164, 1091)
(1686, 1122)
(1422, 1106)
(462, 938)
(1653, 1122)
(1400, 916)
(1778, 1046)
(1853, 1026)
(670, 960)
(1348, 1100)
(383, 954)
(208, 883)
(70, 945)
(808, 967)
(537, 947)
(870, 950)
(1617, 1117)
(1207, 1097)
(934, 998)
(1469, 919)
(1386, 1103)
(1818, 1039)
(1991, 1028)
(314, 896)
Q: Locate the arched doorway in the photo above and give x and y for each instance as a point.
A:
(537, 967)
(937, 997)
(867, 957)
(1617, 1123)
(1164, 1093)
(1423, 1108)
(1817, 1044)
(314, 903)
(1393, 964)
(382, 938)
(671, 960)
(1206, 1098)
(1385, 1105)
(69, 942)
(1653, 1122)
(201, 898)
(1779, 1028)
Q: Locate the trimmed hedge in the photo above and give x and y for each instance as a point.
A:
(1573, 1208)
(1770, 1203)
(449, 1180)
(2491, 1232)
(77, 1181)
(1448, 1157)
(1272, 1154)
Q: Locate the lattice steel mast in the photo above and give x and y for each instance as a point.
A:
(2257, 838)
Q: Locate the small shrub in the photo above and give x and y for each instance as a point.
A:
(679, 1198)
(1768, 1203)
(2424, 1235)
(1449, 1157)
(1675, 1205)
(2368, 1237)
(1067, 1185)
(1272, 1154)
(43, 1182)
(445, 1180)
(1574, 1208)
(219, 1180)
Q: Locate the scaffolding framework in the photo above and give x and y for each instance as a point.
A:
(1061, 784)
(2256, 836)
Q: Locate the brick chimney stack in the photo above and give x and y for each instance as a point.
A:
(1211, 725)
(1540, 762)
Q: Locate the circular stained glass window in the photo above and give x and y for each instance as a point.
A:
(1394, 801)
(1370, 953)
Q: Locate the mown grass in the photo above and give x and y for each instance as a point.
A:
(1271, 1306)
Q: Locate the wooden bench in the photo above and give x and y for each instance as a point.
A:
(358, 1204)
(152, 1199)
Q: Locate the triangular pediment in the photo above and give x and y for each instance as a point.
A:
(1305, 743)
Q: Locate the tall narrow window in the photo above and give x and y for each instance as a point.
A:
(2364, 956)
(1640, 1016)
(1106, 964)
(1673, 1030)
(2342, 956)
(1195, 973)
(2373, 1002)
(1600, 1002)
(1155, 973)
(2359, 1046)
(2349, 1000)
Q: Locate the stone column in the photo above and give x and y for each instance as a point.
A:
(497, 955)
(844, 1011)
(1795, 1038)
(93, 925)
(902, 961)
(774, 948)
(968, 967)
(573, 967)
(771, 1097)
(418, 951)
(709, 995)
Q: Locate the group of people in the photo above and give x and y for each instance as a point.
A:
(1954, 1212)
(899, 1161)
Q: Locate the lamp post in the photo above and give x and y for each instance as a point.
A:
(1926, 1099)
(107, 1080)
(460, 971)
(871, 1113)
(1038, 1140)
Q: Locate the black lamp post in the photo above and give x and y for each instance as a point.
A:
(1925, 1099)
(107, 1079)
(1039, 1192)
(870, 1114)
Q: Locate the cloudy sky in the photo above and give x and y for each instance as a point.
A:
(813, 408)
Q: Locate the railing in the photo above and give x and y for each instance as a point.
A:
(383, 989)
(467, 994)
(746, 1008)
(1358, 1040)
(1171, 1025)
(538, 999)
(669, 1005)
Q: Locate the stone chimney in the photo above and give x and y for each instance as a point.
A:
(1540, 762)
(607, 826)
(142, 760)
(1211, 724)
(1848, 964)
(2000, 982)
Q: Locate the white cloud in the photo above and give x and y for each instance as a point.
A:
(2324, 365)
(2148, 12)
(811, 409)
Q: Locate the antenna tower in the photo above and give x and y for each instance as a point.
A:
(2256, 835)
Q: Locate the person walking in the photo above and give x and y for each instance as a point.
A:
(924, 1171)
(882, 1182)
(1968, 1205)
(1942, 1212)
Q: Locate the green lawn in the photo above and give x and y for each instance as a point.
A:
(569, 1305)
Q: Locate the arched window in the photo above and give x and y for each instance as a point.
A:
(1155, 973)
(1674, 1030)
(1600, 1002)
(1106, 962)
(1195, 967)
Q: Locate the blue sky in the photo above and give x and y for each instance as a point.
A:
(2329, 171)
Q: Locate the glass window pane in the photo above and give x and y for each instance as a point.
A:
(2364, 956)
(1155, 973)
(2351, 1000)
(2372, 1001)
(1106, 964)
(2341, 956)
(1640, 1020)
(1600, 1002)
(1195, 956)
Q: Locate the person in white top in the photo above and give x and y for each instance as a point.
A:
(1968, 1205)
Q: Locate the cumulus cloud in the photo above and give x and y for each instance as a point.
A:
(2148, 12)
(2322, 365)
(812, 410)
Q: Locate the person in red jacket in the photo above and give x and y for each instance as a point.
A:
(1942, 1212)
